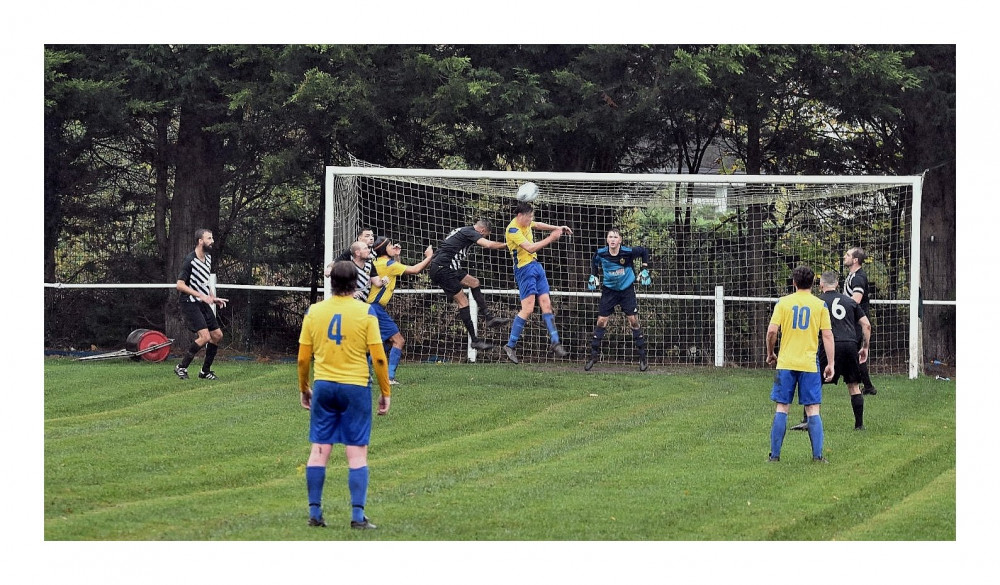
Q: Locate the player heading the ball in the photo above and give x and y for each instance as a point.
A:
(530, 275)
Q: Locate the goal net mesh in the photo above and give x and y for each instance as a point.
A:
(716, 248)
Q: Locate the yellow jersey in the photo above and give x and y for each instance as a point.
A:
(513, 236)
(340, 329)
(391, 269)
(800, 316)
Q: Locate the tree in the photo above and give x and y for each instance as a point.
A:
(928, 139)
(81, 110)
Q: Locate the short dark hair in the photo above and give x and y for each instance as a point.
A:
(523, 207)
(381, 244)
(616, 230)
(365, 229)
(343, 278)
(198, 233)
(859, 254)
(803, 277)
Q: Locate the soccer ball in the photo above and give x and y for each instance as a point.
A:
(527, 192)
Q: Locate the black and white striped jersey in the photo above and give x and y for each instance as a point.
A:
(195, 273)
(364, 280)
(454, 249)
(857, 282)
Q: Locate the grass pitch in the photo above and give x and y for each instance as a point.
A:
(493, 452)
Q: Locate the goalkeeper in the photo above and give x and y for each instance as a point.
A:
(616, 263)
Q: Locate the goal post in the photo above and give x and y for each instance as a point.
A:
(722, 251)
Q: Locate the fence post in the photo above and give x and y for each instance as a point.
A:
(720, 327)
(473, 312)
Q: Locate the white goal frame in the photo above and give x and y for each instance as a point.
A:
(334, 244)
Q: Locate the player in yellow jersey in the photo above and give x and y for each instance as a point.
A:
(388, 266)
(337, 335)
(530, 276)
(802, 319)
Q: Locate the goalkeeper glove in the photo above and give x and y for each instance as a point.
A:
(592, 283)
(644, 278)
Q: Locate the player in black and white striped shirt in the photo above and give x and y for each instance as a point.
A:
(367, 277)
(448, 272)
(196, 302)
(857, 287)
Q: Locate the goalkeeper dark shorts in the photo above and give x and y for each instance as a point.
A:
(611, 298)
(447, 278)
(199, 316)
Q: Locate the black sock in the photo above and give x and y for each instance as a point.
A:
(640, 341)
(466, 318)
(858, 405)
(192, 351)
(477, 294)
(595, 340)
(866, 380)
(210, 350)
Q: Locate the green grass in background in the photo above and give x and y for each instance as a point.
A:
(493, 452)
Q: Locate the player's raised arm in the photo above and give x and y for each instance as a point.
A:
(533, 247)
(416, 268)
(490, 244)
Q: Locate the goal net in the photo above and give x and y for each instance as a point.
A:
(722, 252)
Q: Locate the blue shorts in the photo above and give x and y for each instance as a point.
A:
(611, 298)
(810, 387)
(340, 413)
(531, 280)
(386, 326)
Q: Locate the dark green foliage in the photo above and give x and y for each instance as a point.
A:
(145, 143)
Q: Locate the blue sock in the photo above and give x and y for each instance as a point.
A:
(357, 483)
(778, 432)
(550, 324)
(515, 330)
(315, 476)
(395, 354)
(816, 434)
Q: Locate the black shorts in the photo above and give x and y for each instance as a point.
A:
(448, 278)
(618, 298)
(845, 362)
(199, 316)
